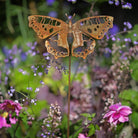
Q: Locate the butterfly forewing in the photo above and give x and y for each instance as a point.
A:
(95, 26)
(46, 27)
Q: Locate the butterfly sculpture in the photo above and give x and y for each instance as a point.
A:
(56, 32)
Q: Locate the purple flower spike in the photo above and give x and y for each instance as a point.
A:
(118, 113)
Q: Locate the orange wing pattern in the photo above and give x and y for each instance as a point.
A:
(56, 31)
(47, 27)
(91, 27)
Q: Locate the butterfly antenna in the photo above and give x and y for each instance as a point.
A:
(69, 17)
(73, 16)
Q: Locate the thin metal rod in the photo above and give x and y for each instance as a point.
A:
(69, 96)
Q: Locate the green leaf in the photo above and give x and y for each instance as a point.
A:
(22, 81)
(33, 130)
(77, 133)
(134, 68)
(90, 118)
(134, 118)
(134, 75)
(85, 114)
(119, 128)
(131, 33)
(36, 109)
(91, 126)
(97, 127)
(93, 115)
(134, 65)
(130, 95)
(91, 130)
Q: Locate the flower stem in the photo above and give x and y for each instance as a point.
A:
(69, 95)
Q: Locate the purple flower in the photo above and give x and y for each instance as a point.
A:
(127, 6)
(50, 2)
(82, 136)
(72, 1)
(135, 42)
(117, 3)
(118, 113)
(110, 2)
(128, 24)
(23, 56)
(52, 14)
(5, 50)
(10, 106)
(114, 30)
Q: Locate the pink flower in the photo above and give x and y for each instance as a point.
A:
(10, 106)
(118, 113)
(3, 121)
(82, 136)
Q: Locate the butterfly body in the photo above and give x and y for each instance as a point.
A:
(56, 32)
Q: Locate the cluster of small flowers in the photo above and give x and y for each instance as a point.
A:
(114, 30)
(32, 51)
(58, 66)
(12, 57)
(11, 91)
(36, 70)
(7, 110)
(33, 101)
(120, 68)
(128, 25)
(104, 83)
(125, 5)
(51, 123)
(81, 100)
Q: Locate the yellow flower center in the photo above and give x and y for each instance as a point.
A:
(5, 114)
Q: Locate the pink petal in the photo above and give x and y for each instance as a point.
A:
(114, 107)
(82, 136)
(124, 110)
(115, 122)
(109, 114)
(123, 119)
(116, 116)
(3, 122)
(13, 120)
(111, 119)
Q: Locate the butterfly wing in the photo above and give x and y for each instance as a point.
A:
(46, 27)
(85, 30)
(95, 26)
